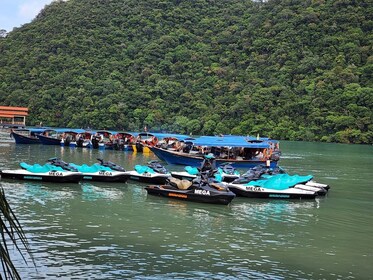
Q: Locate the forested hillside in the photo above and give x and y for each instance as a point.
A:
(291, 69)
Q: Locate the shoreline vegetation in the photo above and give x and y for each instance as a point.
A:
(290, 70)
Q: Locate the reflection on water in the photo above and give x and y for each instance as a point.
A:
(92, 192)
(110, 231)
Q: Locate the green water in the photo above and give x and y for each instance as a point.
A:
(116, 231)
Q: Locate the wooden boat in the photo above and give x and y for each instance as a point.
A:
(69, 137)
(123, 141)
(143, 141)
(102, 139)
(27, 136)
(239, 151)
(58, 136)
(51, 136)
(84, 139)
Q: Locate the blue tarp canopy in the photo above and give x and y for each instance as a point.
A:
(231, 141)
(62, 130)
(179, 137)
(106, 131)
(33, 130)
(161, 136)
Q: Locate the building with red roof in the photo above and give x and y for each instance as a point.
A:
(13, 116)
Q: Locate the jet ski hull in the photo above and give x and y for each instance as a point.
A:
(148, 178)
(258, 192)
(51, 176)
(106, 176)
(196, 195)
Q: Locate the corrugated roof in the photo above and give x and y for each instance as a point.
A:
(231, 141)
(11, 108)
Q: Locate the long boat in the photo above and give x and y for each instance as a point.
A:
(58, 136)
(27, 135)
(240, 151)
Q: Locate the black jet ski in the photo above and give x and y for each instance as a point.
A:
(105, 171)
(201, 189)
(154, 173)
(47, 173)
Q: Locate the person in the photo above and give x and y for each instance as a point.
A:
(208, 163)
(11, 133)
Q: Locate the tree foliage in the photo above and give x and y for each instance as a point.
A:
(297, 70)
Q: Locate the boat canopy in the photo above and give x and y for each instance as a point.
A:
(179, 137)
(112, 132)
(64, 130)
(31, 129)
(238, 141)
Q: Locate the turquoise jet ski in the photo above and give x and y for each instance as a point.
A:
(46, 173)
(154, 173)
(102, 171)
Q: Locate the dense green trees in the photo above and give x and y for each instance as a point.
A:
(298, 70)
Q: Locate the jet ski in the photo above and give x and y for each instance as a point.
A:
(104, 171)
(47, 173)
(225, 173)
(153, 173)
(281, 186)
(189, 173)
(263, 172)
(201, 189)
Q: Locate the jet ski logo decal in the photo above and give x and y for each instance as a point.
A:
(203, 192)
(55, 173)
(105, 173)
(254, 189)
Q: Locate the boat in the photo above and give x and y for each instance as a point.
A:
(198, 190)
(224, 173)
(27, 135)
(239, 151)
(51, 136)
(122, 141)
(272, 183)
(102, 139)
(153, 172)
(84, 139)
(102, 171)
(46, 173)
(143, 141)
(69, 138)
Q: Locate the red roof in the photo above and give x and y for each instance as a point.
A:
(11, 112)
(9, 108)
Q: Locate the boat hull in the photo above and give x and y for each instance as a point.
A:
(140, 148)
(56, 177)
(46, 140)
(159, 190)
(23, 139)
(172, 157)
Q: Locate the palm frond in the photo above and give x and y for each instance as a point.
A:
(11, 232)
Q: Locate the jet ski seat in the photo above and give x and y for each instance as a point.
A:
(180, 184)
